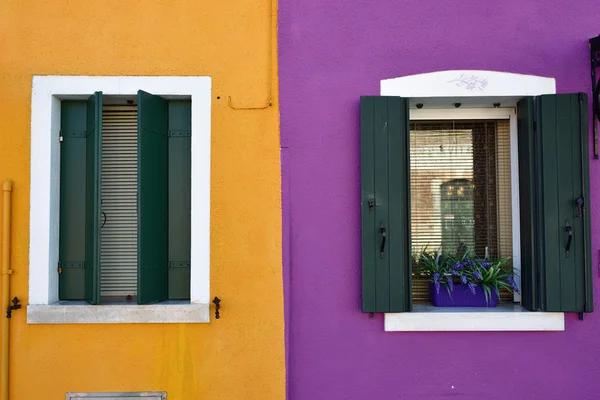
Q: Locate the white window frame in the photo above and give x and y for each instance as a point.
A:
(47, 93)
(482, 95)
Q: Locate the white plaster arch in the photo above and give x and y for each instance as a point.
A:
(468, 83)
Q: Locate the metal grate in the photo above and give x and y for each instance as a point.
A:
(119, 201)
(460, 190)
(118, 396)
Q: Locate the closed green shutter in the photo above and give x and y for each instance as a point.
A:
(385, 204)
(153, 211)
(93, 195)
(180, 179)
(560, 187)
(72, 201)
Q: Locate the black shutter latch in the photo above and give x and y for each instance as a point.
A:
(569, 229)
(15, 306)
(217, 302)
(383, 237)
(371, 205)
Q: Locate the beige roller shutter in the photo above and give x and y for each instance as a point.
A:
(460, 190)
(119, 201)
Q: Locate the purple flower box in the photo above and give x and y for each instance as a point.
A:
(461, 297)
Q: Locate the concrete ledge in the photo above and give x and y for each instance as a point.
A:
(83, 313)
(426, 317)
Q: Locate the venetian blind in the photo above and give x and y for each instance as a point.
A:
(119, 201)
(460, 190)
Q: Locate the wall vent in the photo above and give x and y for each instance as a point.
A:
(118, 396)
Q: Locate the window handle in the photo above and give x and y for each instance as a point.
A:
(383, 237)
(569, 229)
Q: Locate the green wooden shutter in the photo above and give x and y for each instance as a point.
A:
(562, 140)
(385, 204)
(93, 195)
(153, 211)
(558, 170)
(527, 207)
(180, 180)
(72, 201)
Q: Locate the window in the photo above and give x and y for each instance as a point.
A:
(50, 95)
(125, 199)
(548, 184)
(460, 191)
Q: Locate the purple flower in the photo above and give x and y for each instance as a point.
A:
(463, 279)
(450, 283)
(477, 274)
(512, 283)
(458, 265)
(469, 263)
(486, 264)
(436, 277)
(472, 287)
(455, 272)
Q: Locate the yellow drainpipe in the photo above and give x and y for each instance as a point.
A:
(7, 188)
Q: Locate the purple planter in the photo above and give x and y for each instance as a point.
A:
(461, 296)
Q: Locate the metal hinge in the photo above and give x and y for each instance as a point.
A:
(59, 269)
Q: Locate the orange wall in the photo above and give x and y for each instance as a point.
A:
(240, 356)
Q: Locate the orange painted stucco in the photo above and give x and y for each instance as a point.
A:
(241, 355)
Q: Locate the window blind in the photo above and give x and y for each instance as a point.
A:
(460, 190)
(119, 201)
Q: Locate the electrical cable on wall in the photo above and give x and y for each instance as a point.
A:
(595, 63)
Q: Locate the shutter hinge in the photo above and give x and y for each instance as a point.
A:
(59, 269)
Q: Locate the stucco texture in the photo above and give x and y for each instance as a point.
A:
(241, 355)
(330, 54)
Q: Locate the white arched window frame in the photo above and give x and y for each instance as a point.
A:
(482, 95)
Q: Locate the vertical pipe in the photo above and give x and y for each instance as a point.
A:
(6, 271)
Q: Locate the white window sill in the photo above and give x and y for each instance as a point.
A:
(78, 312)
(508, 317)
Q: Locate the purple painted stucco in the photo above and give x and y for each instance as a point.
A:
(331, 52)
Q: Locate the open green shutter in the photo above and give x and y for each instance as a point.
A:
(153, 211)
(528, 201)
(562, 143)
(72, 201)
(557, 274)
(180, 180)
(385, 204)
(93, 195)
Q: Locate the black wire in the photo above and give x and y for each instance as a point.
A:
(596, 100)
(103, 222)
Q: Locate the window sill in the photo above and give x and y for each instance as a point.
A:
(508, 317)
(79, 312)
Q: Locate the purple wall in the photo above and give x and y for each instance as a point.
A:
(331, 52)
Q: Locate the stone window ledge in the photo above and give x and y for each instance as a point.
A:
(78, 312)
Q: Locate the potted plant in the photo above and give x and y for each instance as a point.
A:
(466, 280)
